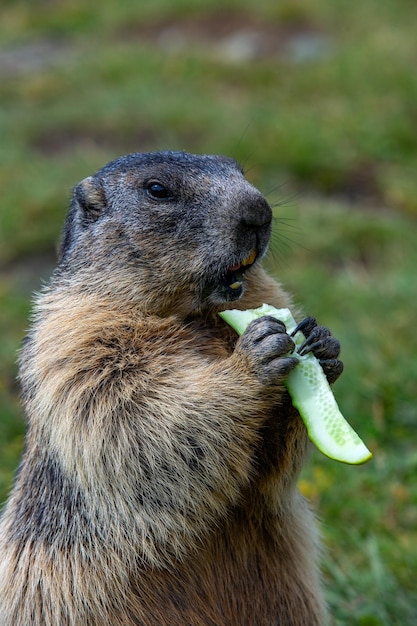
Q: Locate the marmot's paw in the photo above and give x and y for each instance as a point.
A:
(268, 348)
(323, 345)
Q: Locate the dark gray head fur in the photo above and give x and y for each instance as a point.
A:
(174, 220)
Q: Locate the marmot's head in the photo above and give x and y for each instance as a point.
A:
(173, 231)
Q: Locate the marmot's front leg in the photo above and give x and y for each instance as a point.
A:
(286, 443)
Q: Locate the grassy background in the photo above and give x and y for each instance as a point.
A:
(317, 99)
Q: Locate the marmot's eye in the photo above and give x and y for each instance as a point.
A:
(157, 190)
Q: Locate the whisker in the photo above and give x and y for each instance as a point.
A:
(281, 236)
(287, 199)
(286, 223)
(246, 168)
(276, 258)
(238, 146)
(279, 187)
(285, 235)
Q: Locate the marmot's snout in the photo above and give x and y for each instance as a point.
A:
(246, 230)
(254, 228)
(255, 225)
(256, 214)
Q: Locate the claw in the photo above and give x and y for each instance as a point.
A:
(307, 347)
(307, 324)
(313, 339)
(322, 345)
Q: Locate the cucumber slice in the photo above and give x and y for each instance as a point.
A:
(310, 393)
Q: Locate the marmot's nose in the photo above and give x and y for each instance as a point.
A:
(255, 213)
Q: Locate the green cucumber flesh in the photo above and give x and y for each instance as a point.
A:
(310, 392)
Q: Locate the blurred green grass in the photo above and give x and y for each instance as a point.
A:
(317, 100)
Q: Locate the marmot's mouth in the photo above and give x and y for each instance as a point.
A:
(234, 273)
(228, 284)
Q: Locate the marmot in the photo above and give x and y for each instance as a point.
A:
(158, 485)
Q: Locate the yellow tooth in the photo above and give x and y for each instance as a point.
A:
(250, 258)
(235, 285)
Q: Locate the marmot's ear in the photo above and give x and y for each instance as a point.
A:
(90, 198)
(88, 203)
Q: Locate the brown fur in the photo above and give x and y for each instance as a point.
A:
(158, 482)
